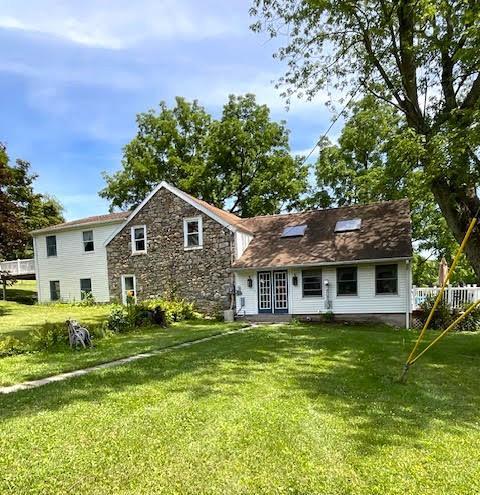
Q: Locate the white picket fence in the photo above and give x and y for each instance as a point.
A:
(456, 297)
(18, 267)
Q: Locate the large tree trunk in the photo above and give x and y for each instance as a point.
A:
(459, 205)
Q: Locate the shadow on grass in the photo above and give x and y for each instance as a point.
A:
(349, 372)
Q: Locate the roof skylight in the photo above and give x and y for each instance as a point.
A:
(294, 231)
(348, 225)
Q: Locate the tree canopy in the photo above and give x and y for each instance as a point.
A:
(421, 57)
(241, 161)
(21, 208)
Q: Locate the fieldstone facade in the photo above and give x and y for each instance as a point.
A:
(203, 276)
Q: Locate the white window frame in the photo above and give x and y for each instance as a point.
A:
(124, 295)
(186, 221)
(84, 241)
(132, 238)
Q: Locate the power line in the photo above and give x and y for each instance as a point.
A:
(331, 125)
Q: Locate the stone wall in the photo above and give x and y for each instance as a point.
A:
(202, 275)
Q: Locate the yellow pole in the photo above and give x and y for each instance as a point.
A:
(410, 359)
(452, 325)
(442, 290)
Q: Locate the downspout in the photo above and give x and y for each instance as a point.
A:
(409, 293)
(37, 272)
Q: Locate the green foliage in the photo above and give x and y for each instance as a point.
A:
(175, 310)
(118, 320)
(470, 323)
(423, 59)
(87, 299)
(328, 317)
(21, 209)
(237, 160)
(10, 346)
(442, 317)
(48, 336)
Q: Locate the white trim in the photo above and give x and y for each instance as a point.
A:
(320, 264)
(133, 240)
(188, 199)
(37, 269)
(124, 296)
(186, 221)
(84, 241)
(53, 228)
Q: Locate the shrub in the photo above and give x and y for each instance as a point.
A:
(87, 299)
(471, 323)
(441, 318)
(328, 317)
(11, 346)
(118, 321)
(175, 310)
(49, 335)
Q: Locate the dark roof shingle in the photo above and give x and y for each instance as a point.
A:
(385, 232)
(109, 217)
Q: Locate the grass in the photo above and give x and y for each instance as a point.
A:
(282, 409)
(19, 316)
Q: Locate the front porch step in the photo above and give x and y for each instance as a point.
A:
(266, 318)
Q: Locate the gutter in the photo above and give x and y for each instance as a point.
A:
(322, 263)
(53, 229)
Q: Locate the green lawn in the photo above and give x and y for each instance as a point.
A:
(282, 409)
(18, 318)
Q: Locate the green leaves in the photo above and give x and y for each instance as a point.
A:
(241, 161)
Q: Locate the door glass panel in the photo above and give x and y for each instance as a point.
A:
(264, 291)
(281, 298)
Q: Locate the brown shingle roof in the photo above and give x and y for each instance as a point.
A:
(110, 217)
(385, 233)
(230, 218)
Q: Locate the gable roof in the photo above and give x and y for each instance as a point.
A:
(96, 219)
(385, 232)
(228, 220)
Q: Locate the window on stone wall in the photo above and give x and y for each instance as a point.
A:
(192, 233)
(139, 239)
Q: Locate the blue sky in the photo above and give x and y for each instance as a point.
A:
(73, 75)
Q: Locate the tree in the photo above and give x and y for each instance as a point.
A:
(373, 162)
(24, 210)
(241, 161)
(13, 232)
(422, 57)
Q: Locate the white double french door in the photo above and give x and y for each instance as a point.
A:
(273, 292)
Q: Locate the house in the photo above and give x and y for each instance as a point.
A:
(353, 262)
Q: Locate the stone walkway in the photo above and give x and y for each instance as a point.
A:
(118, 362)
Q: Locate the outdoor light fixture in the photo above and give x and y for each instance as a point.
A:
(295, 280)
(250, 282)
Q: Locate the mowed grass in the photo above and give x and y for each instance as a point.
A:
(19, 316)
(282, 409)
(29, 366)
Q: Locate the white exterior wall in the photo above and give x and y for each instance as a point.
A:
(365, 302)
(72, 263)
(242, 240)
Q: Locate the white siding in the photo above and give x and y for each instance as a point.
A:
(72, 263)
(365, 302)
(242, 240)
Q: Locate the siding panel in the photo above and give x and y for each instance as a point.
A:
(72, 263)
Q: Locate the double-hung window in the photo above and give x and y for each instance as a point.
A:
(312, 283)
(88, 244)
(347, 281)
(192, 233)
(54, 290)
(386, 279)
(51, 245)
(85, 287)
(139, 239)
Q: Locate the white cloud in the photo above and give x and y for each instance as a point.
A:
(117, 24)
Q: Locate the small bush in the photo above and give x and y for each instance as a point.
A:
(49, 335)
(175, 310)
(118, 321)
(328, 317)
(87, 299)
(441, 318)
(471, 323)
(10, 346)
